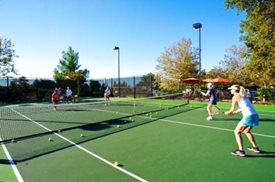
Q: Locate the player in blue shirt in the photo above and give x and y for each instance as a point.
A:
(212, 94)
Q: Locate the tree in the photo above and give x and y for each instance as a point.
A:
(175, 64)
(96, 89)
(7, 54)
(43, 88)
(216, 71)
(146, 84)
(69, 70)
(258, 34)
(19, 89)
(234, 63)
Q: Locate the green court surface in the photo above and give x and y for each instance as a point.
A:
(164, 144)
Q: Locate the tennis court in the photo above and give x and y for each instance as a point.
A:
(159, 140)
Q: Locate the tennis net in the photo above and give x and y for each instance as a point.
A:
(25, 121)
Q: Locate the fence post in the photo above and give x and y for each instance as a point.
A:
(151, 84)
(134, 84)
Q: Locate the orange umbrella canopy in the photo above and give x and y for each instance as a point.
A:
(191, 80)
(207, 80)
(218, 80)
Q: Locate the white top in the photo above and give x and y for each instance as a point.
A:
(107, 91)
(246, 107)
(69, 92)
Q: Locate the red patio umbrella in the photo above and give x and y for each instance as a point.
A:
(191, 80)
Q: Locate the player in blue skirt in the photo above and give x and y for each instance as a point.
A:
(212, 94)
(249, 120)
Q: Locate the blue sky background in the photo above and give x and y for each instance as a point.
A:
(42, 29)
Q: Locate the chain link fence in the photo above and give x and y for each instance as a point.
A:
(40, 89)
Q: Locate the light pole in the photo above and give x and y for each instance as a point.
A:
(198, 26)
(118, 59)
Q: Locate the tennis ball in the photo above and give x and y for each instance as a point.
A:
(82, 135)
(116, 163)
(13, 141)
(50, 139)
(118, 126)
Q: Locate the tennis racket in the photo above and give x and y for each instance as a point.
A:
(216, 110)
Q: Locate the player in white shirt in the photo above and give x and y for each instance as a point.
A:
(249, 120)
(69, 95)
(107, 94)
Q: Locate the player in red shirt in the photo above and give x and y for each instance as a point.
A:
(55, 98)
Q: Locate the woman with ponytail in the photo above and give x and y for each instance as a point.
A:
(249, 120)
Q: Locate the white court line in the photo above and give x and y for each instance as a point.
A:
(184, 123)
(85, 150)
(211, 127)
(165, 120)
(13, 165)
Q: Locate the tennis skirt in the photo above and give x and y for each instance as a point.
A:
(212, 102)
(250, 120)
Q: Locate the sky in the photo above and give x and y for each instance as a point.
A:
(42, 29)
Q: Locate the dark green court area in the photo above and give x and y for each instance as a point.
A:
(163, 141)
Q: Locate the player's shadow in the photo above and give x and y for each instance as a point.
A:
(263, 154)
(266, 120)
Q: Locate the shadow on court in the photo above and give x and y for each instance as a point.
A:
(262, 154)
(20, 151)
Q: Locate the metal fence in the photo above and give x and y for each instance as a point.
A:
(18, 89)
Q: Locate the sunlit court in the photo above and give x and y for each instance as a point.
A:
(137, 90)
(160, 139)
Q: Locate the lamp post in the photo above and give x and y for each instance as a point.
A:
(198, 26)
(118, 51)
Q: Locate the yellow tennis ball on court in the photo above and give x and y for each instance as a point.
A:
(50, 139)
(116, 163)
(82, 135)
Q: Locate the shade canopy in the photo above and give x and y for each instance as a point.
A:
(191, 80)
(218, 80)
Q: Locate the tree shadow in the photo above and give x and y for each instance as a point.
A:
(101, 129)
